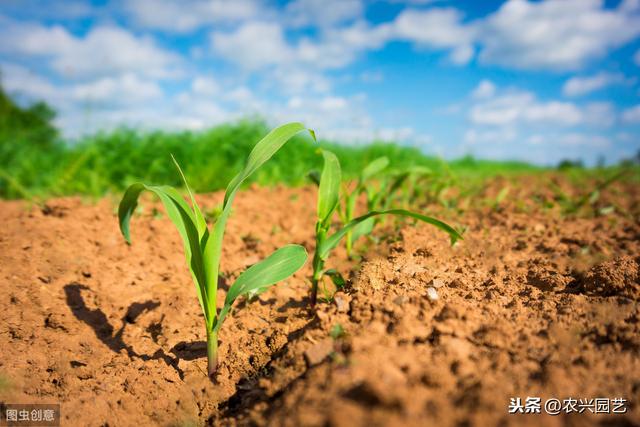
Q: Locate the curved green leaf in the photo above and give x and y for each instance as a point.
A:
(263, 151)
(182, 217)
(374, 167)
(329, 190)
(333, 240)
(362, 229)
(197, 213)
(276, 267)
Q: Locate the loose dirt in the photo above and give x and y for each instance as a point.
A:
(530, 303)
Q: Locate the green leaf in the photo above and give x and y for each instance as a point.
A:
(276, 267)
(333, 240)
(362, 229)
(263, 151)
(329, 190)
(183, 218)
(373, 168)
(200, 221)
(419, 170)
(336, 277)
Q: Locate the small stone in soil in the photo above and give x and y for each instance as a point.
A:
(319, 351)
(432, 294)
(437, 283)
(342, 303)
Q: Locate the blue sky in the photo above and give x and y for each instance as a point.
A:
(531, 80)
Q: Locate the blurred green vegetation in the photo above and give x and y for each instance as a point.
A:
(35, 163)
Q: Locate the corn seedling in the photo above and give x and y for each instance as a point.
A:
(203, 247)
(328, 201)
(502, 195)
(570, 205)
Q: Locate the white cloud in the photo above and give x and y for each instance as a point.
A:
(577, 86)
(436, 29)
(120, 90)
(21, 81)
(516, 108)
(631, 115)
(103, 51)
(205, 85)
(599, 114)
(254, 45)
(589, 140)
(485, 89)
(555, 34)
(296, 79)
(523, 107)
(570, 139)
(301, 13)
(190, 15)
(490, 136)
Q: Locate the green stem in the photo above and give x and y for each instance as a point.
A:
(318, 264)
(212, 353)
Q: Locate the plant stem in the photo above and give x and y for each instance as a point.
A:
(212, 353)
(318, 263)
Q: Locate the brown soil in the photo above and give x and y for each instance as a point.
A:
(531, 303)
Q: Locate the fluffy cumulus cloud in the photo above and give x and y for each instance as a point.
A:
(23, 82)
(253, 45)
(555, 34)
(632, 115)
(571, 139)
(512, 115)
(301, 13)
(121, 90)
(189, 15)
(439, 29)
(485, 89)
(577, 85)
(522, 107)
(103, 51)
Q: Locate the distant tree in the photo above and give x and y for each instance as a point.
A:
(569, 164)
(30, 125)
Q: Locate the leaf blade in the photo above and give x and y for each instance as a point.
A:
(333, 240)
(183, 219)
(374, 167)
(262, 151)
(281, 264)
(329, 188)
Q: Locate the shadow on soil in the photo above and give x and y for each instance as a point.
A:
(99, 322)
(249, 393)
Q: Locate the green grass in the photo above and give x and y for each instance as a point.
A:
(109, 162)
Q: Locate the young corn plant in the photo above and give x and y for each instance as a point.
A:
(571, 205)
(328, 201)
(203, 246)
